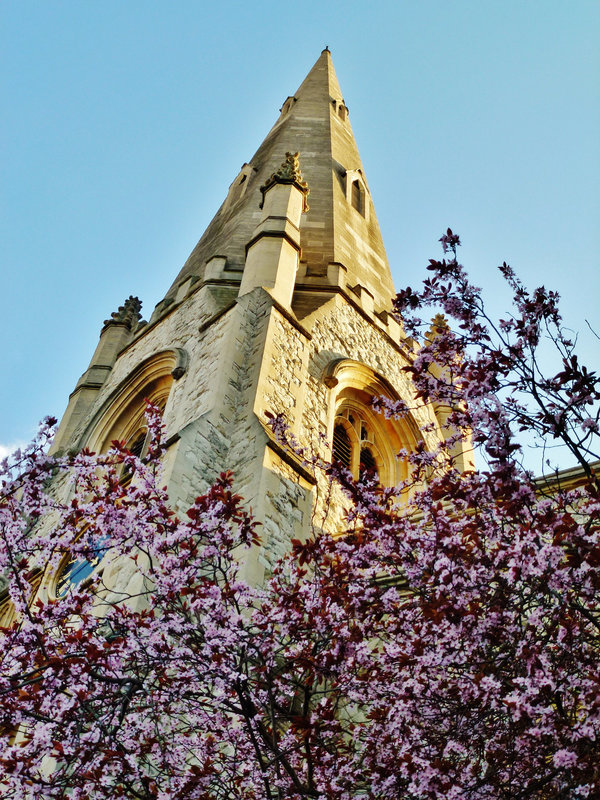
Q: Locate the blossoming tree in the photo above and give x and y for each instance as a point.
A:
(444, 648)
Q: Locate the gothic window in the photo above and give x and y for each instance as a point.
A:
(367, 465)
(358, 197)
(137, 442)
(75, 570)
(342, 446)
(137, 445)
(364, 441)
(287, 105)
(239, 186)
(123, 418)
(356, 192)
(356, 444)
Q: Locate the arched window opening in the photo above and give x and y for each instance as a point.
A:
(342, 446)
(123, 418)
(357, 193)
(356, 445)
(137, 445)
(368, 465)
(376, 442)
(138, 442)
(238, 187)
(75, 570)
(287, 106)
(357, 197)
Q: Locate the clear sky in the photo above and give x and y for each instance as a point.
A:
(125, 122)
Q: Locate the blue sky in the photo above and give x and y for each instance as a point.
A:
(125, 122)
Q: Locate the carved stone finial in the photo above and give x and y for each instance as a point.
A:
(128, 314)
(288, 172)
(439, 324)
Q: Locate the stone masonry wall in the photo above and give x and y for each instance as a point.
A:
(284, 371)
(195, 392)
(250, 360)
(295, 386)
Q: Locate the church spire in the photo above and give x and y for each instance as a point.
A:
(340, 227)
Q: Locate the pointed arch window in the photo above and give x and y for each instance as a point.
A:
(123, 414)
(287, 105)
(362, 439)
(138, 442)
(239, 186)
(137, 445)
(357, 194)
(358, 197)
(122, 418)
(342, 446)
(367, 464)
(356, 445)
(75, 570)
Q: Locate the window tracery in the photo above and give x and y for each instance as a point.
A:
(138, 442)
(123, 415)
(122, 418)
(362, 440)
(75, 570)
(355, 444)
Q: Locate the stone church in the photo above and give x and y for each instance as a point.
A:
(282, 307)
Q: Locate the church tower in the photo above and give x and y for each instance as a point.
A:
(281, 308)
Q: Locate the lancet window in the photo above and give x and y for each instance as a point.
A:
(123, 419)
(75, 570)
(355, 444)
(358, 197)
(362, 440)
(357, 194)
(138, 441)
